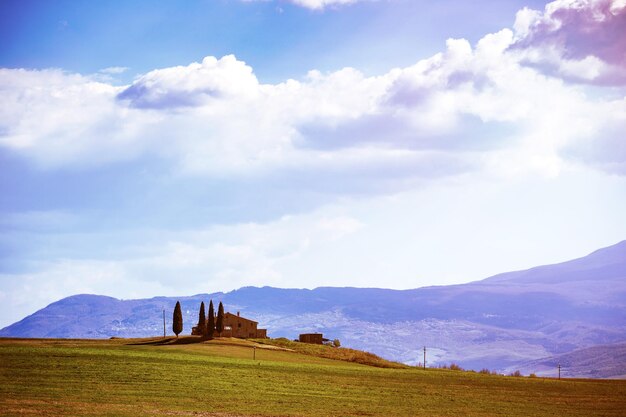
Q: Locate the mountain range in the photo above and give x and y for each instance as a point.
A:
(523, 320)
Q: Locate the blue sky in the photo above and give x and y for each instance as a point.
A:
(202, 146)
(278, 39)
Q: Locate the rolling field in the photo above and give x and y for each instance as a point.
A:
(220, 378)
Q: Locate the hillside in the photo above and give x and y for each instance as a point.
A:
(500, 322)
(221, 379)
(607, 361)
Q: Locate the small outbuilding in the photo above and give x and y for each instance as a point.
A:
(313, 338)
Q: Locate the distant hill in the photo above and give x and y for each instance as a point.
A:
(606, 361)
(502, 321)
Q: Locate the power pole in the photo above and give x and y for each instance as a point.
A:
(163, 322)
(559, 371)
(424, 357)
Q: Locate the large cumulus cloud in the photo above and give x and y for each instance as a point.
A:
(193, 85)
(580, 39)
(469, 107)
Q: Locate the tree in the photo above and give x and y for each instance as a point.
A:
(201, 319)
(336, 343)
(177, 323)
(219, 326)
(210, 327)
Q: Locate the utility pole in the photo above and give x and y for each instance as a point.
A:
(559, 371)
(163, 322)
(424, 357)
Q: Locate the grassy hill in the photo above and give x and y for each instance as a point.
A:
(220, 378)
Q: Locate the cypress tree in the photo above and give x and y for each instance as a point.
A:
(219, 326)
(177, 323)
(211, 322)
(201, 319)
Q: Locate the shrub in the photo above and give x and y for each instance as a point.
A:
(516, 373)
(455, 367)
(336, 343)
(532, 375)
(485, 371)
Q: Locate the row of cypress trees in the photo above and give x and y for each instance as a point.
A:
(213, 324)
(207, 327)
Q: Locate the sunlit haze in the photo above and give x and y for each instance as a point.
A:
(176, 148)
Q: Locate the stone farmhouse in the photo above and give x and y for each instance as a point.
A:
(237, 326)
(241, 327)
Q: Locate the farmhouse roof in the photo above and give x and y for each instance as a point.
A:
(238, 317)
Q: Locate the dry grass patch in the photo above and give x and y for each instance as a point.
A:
(329, 352)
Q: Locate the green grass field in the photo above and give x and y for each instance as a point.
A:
(220, 378)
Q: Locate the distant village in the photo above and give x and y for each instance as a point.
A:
(222, 324)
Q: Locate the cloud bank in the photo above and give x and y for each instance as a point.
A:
(514, 102)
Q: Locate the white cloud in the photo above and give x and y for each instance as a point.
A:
(193, 85)
(58, 118)
(581, 40)
(321, 4)
(341, 226)
(316, 4)
(113, 70)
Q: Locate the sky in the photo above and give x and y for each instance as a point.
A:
(193, 147)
